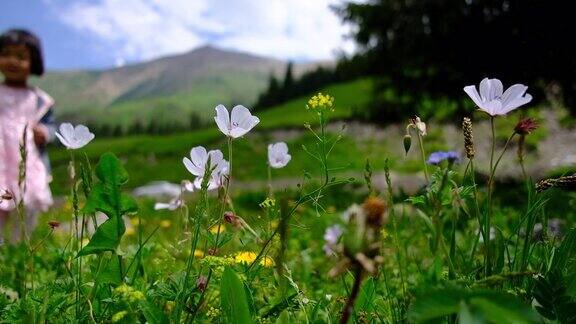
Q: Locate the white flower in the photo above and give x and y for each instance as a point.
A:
(491, 99)
(278, 155)
(236, 124)
(172, 205)
(74, 137)
(197, 166)
(420, 125)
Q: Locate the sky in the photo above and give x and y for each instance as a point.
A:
(97, 34)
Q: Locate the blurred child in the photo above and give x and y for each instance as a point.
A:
(23, 108)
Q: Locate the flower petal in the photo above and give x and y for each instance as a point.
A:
(516, 103)
(514, 92)
(485, 89)
(473, 94)
(192, 168)
(199, 156)
(495, 89)
(222, 119)
(63, 140)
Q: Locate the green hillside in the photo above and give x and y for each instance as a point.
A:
(160, 157)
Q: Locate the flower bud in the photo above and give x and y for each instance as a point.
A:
(232, 219)
(407, 143)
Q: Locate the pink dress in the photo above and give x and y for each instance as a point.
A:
(18, 108)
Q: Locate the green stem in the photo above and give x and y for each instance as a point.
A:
(488, 216)
(421, 145)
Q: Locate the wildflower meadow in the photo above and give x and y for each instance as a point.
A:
(329, 248)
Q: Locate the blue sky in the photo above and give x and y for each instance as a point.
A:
(95, 34)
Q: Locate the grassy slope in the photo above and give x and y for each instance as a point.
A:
(149, 158)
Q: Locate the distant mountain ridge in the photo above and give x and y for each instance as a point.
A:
(168, 88)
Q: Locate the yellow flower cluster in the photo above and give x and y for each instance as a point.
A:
(268, 202)
(249, 257)
(213, 312)
(321, 101)
(119, 316)
(129, 294)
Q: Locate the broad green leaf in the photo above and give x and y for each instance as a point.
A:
(233, 298)
(106, 197)
(110, 272)
(492, 306)
(436, 303)
(110, 171)
(283, 318)
(152, 313)
(499, 307)
(106, 238)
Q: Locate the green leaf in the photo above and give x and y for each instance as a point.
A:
(106, 238)
(436, 303)
(152, 313)
(233, 298)
(366, 297)
(110, 272)
(106, 197)
(492, 306)
(555, 303)
(283, 318)
(566, 251)
(499, 307)
(109, 170)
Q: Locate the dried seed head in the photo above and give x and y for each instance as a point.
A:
(468, 138)
(54, 224)
(374, 208)
(525, 126)
(567, 183)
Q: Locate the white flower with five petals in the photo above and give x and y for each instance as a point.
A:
(236, 124)
(74, 137)
(198, 163)
(491, 99)
(278, 156)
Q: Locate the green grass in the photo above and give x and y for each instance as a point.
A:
(160, 157)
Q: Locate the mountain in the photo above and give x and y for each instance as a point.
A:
(167, 89)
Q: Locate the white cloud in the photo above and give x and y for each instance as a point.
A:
(143, 29)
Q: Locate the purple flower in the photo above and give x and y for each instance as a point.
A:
(437, 157)
(331, 237)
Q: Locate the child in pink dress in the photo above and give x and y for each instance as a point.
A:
(23, 108)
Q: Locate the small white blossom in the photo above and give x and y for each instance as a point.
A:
(491, 99)
(278, 156)
(198, 162)
(236, 124)
(74, 137)
(420, 126)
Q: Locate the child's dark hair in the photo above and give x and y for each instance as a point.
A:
(24, 37)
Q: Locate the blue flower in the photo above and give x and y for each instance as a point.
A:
(437, 157)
